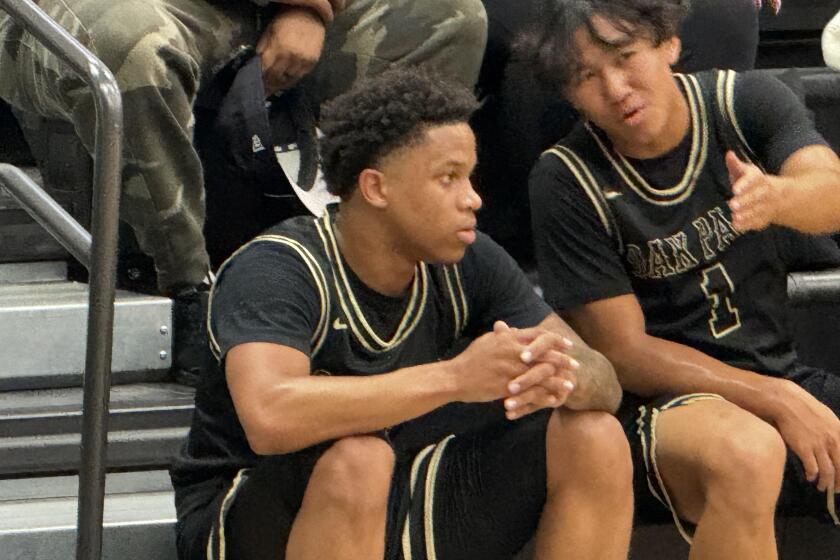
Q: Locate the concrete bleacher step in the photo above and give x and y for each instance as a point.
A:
(43, 329)
(40, 430)
(33, 272)
(38, 517)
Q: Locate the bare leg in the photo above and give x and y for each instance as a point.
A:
(589, 504)
(344, 507)
(723, 469)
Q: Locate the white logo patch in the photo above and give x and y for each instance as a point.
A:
(256, 144)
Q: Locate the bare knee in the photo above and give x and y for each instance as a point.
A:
(151, 54)
(589, 446)
(745, 467)
(354, 474)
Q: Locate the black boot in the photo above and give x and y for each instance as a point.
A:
(191, 356)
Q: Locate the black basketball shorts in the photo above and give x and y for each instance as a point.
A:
(476, 495)
(653, 502)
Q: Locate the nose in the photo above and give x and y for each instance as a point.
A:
(472, 200)
(615, 84)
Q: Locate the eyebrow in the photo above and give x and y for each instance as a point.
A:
(451, 163)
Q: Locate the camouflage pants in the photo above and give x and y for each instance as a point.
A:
(160, 50)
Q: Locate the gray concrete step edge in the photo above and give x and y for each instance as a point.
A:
(38, 517)
(61, 453)
(59, 411)
(43, 327)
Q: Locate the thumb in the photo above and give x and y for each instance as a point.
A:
(500, 327)
(734, 166)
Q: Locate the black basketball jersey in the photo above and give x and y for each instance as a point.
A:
(347, 336)
(435, 313)
(699, 282)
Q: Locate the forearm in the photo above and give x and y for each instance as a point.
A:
(797, 208)
(598, 387)
(307, 410)
(654, 366)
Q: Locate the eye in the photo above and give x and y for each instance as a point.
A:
(449, 178)
(626, 55)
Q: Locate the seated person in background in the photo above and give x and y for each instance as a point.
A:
(348, 421)
(162, 52)
(657, 225)
(831, 42)
(519, 119)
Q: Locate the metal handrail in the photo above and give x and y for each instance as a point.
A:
(807, 288)
(107, 159)
(47, 212)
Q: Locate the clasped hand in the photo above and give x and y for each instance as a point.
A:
(529, 368)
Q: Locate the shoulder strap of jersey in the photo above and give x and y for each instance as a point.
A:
(314, 268)
(729, 131)
(586, 179)
(455, 288)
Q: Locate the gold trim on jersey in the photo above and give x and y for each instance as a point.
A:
(640, 431)
(653, 443)
(460, 314)
(462, 296)
(223, 509)
(429, 501)
(653, 466)
(320, 333)
(415, 469)
(726, 104)
(725, 91)
(356, 320)
(696, 159)
(590, 186)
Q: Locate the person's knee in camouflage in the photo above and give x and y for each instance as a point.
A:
(158, 52)
(447, 35)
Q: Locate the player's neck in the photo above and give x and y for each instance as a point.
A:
(365, 245)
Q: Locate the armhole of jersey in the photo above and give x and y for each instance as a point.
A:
(725, 98)
(317, 338)
(457, 297)
(590, 186)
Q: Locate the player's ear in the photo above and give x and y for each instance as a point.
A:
(372, 187)
(674, 46)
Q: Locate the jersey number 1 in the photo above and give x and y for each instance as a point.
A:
(718, 288)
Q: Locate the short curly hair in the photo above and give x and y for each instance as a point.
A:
(547, 48)
(382, 114)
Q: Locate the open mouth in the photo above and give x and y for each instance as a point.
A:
(632, 116)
